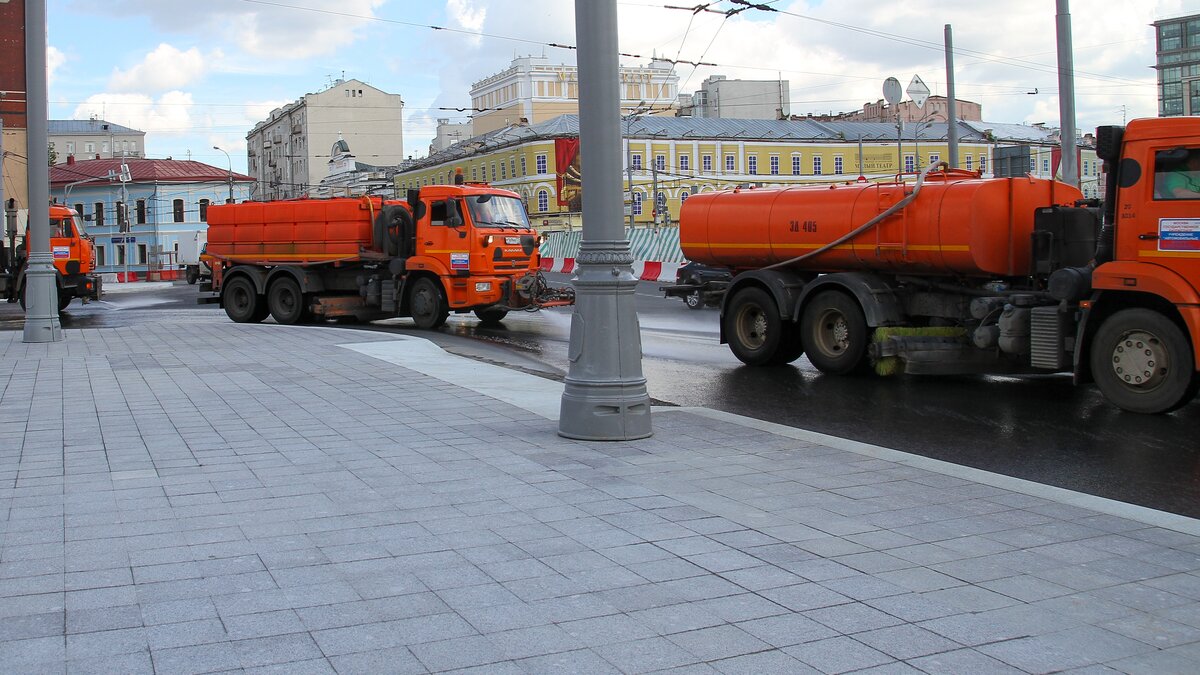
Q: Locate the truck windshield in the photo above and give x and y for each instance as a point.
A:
(78, 225)
(497, 211)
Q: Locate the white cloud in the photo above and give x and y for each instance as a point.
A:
(467, 16)
(276, 31)
(164, 69)
(54, 60)
(169, 115)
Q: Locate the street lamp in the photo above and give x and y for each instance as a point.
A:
(230, 201)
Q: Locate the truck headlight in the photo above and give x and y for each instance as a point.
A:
(483, 286)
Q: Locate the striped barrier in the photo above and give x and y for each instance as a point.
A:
(643, 270)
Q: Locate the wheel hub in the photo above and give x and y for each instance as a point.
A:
(1140, 360)
(754, 328)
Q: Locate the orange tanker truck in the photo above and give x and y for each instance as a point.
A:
(956, 273)
(74, 257)
(448, 248)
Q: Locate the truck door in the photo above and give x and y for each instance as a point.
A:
(1168, 227)
(64, 245)
(443, 239)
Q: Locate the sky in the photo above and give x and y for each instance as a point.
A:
(194, 75)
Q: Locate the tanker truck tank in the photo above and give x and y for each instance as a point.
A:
(959, 225)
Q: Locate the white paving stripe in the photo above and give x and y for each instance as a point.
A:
(543, 397)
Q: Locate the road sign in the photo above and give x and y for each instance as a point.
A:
(917, 91)
(124, 240)
(891, 90)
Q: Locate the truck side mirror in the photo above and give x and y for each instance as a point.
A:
(453, 217)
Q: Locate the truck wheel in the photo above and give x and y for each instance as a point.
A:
(1142, 362)
(242, 302)
(192, 275)
(694, 300)
(753, 327)
(833, 332)
(286, 302)
(491, 315)
(427, 305)
(790, 347)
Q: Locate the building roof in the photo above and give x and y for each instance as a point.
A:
(142, 171)
(86, 127)
(730, 129)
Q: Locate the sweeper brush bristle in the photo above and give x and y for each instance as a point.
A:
(893, 365)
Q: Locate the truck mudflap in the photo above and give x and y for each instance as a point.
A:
(532, 292)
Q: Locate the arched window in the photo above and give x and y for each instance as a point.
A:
(543, 201)
(683, 196)
(637, 203)
(178, 210)
(662, 199)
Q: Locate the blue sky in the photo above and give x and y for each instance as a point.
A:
(198, 74)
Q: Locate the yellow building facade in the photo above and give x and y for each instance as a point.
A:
(668, 160)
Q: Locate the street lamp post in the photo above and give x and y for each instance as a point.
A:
(228, 159)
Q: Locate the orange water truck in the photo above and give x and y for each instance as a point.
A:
(954, 273)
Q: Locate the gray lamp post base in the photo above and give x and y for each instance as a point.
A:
(41, 300)
(605, 396)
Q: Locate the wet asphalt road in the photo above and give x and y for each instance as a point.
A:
(1038, 428)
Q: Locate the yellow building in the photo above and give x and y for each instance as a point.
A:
(534, 90)
(672, 158)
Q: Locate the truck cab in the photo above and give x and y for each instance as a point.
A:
(73, 255)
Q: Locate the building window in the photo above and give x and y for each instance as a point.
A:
(774, 165)
(70, 147)
(100, 256)
(1046, 167)
(970, 164)
(141, 254)
(795, 165)
(660, 162)
(79, 209)
(910, 164)
(752, 164)
(98, 218)
(684, 164)
(1032, 164)
(540, 164)
(503, 170)
(120, 254)
(706, 163)
(141, 212)
(90, 149)
(637, 203)
(177, 211)
(934, 159)
(493, 172)
(636, 161)
(838, 166)
(661, 201)
(729, 165)
(543, 201)
(683, 196)
(816, 166)
(523, 172)
(983, 162)
(204, 210)
(512, 166)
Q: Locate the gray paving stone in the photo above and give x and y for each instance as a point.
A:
(962, 661)
(1073, 648)
(787, 629)
(774, 662)
(641, 656)
(838, 655)
(33, 626)
(719, 642)
(803, 597)
(577, 661)
(126, 664)
(535, 641)
(906, 641)
(196, 659)
(107, 643)
(276, 650)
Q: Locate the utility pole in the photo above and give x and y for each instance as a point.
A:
(41, 290)
(1066, 95)
(951, 101)
(604, 397)
(654, 192)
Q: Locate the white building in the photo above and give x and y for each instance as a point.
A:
(93, 139)
(288, 153)
(721, 97)
(449, 133)
(533, 90)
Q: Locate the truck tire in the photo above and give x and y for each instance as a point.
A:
(695, 299)
(64, 299)
(427, 304)
(242, 302)
(833, 332)
(192, 274)
(1143, 363)
(753, 327)
(286, 302)
(491, 315)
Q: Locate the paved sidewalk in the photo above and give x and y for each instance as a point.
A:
(214, 496)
